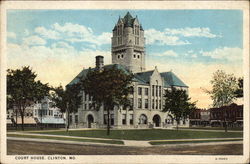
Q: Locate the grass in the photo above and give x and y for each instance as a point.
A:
(67, 139)
(146, 134)
(184, 142)
(214, 128)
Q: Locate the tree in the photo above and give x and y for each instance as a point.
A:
(178, 104)
(23, 90)
(239, 90)
(68, 100)
(109, 87)
(224, 90)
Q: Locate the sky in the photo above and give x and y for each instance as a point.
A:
(58, 44)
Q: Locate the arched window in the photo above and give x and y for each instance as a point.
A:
(143, 119)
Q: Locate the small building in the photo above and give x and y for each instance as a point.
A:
(216, 117)
(37, 115)
(232, 115)
(200, 117)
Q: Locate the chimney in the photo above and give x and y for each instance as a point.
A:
(99, 62)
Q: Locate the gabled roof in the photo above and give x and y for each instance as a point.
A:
(170, 79)
(84, 72)
(145, 76)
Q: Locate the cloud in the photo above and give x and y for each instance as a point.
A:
(11, 35)
(57, 64)
(170, 53)
(157, 37)
(73, 33)
(194, 56)
(34, 40)
(191, 32)
(26, 32)
(46, 33)
(231, 54)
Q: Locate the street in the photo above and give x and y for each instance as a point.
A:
(38, 148)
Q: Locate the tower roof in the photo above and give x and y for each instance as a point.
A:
(128, 20)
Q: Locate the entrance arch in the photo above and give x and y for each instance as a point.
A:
(90, 120)
(157, 120)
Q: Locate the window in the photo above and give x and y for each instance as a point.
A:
(131, 118)
(156, 104)
(105, 119)
(124, 119)
(146, 103)
(70, 119)
(85, 97)
(122, 56)
(139, 90)
(153, 104)
(159, 104)
(50, 105)
(156, 89)
(76, 119)
(143, 119)
(160, 91)
(112, 119)
(146, 91)
(85, 106)
(139, 103)
(132, 90)
(153, 90)
(51, 112)
(131, 103)
(118, 56)
(138, 56)
(134, 55)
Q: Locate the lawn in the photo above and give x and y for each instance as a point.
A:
(67, 139)
(146, 134)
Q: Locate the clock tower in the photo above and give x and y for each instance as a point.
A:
(128, 44)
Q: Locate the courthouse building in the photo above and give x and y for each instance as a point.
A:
(128, 54)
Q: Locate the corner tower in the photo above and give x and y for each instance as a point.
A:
(128, 44)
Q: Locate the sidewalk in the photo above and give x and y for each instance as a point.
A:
(207, 130)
